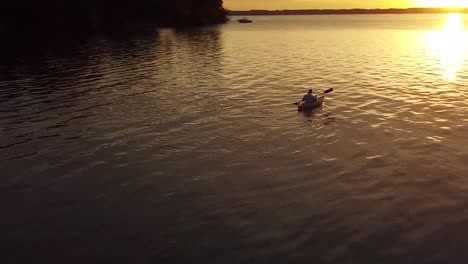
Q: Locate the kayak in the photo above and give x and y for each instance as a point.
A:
(303, 106)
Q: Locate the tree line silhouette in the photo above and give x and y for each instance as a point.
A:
(53, 15)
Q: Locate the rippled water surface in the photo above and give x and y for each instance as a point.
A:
(184, 146)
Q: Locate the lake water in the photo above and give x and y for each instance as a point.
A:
(183, 146)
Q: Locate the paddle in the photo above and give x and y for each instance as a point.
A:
(327, 91)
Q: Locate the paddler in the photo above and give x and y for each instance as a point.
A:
(309, 98)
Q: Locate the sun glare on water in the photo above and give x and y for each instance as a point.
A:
(449, 45)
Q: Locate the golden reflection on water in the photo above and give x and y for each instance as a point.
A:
(449, 45)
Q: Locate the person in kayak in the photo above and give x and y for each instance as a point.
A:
(309, 98)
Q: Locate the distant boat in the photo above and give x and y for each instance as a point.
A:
(245, 20)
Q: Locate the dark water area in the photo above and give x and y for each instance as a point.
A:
(66, 146)
(183, 146)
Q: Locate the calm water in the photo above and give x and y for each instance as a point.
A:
(184, 146)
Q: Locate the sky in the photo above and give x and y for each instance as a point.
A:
(338, 4)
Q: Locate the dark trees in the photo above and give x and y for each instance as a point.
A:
(85, 15)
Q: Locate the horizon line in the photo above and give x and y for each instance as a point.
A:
(344, 9)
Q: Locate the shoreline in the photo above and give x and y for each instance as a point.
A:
(356, 11)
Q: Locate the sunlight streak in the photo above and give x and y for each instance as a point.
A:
(449, 45)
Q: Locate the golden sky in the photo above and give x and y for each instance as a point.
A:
(336, 4)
